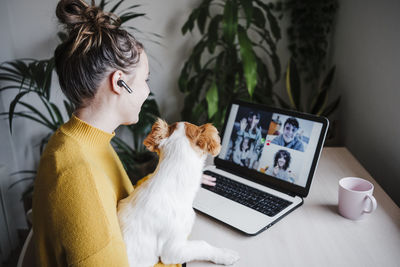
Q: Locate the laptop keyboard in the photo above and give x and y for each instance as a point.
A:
(248, 196)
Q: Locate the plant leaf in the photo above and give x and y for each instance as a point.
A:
(23, 171)
(293, 88)
(50, 64)
(38, 113)
(319, 101)
(131, 15)
(273, 24)
(248, 11)
(212, 99)
(60, 119)
(26, 115)
(201, 18)
(259, 18)
(20, 180)
(331, 107)
(102, 4)
(12, 107)
(277, 66)
(189, 24)
(230, 21)
(326, 84)
(116, 6)
(249, 60)
(69, 107)
(46, 103)
(213, 33)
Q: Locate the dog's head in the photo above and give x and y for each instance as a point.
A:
(204, 139)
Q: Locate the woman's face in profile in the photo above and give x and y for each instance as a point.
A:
(138, 83)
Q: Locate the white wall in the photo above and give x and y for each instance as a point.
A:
(367, 42)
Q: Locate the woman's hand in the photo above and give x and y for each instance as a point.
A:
(208, 180)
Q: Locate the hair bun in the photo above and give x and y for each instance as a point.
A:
(75, 13)
(86, 24)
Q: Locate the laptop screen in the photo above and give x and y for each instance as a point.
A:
(278, 144)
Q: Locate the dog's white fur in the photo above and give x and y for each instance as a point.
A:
(156, 219)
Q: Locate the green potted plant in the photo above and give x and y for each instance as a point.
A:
(33, 77)
(235, 58)
(308, 80)
(309, 34)
(319, 103)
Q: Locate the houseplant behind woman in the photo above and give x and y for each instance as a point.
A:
(103, 70)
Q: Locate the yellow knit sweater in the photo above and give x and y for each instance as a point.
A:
(79, 183)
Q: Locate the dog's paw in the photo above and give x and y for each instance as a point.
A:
(226, 257)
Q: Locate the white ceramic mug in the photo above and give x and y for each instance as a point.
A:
(355, 198)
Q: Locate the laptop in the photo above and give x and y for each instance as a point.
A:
(265, 168)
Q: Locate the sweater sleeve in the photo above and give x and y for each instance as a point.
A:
(113, 254)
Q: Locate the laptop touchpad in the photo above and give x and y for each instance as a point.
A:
(207, 201)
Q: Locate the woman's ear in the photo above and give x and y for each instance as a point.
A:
(114, 77)
(159, 131)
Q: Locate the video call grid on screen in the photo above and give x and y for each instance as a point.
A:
(271, 143)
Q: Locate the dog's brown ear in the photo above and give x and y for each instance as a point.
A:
(159, 131)
(209, 140)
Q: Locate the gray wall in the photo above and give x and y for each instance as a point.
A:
(366, 52)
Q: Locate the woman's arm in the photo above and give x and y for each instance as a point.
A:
(85, 223)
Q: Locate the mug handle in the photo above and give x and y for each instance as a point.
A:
(373, 204)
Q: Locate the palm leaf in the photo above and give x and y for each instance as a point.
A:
(12, 108)
(38, 113)
(57, 112)
(112, 10)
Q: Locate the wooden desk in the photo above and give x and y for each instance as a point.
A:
(315, 234)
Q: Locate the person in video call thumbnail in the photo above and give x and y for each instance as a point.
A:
(280, 170)
(250, 129)
(241, 153)
(289, 138)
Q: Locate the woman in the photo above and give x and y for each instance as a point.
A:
(104, 71)
(241, 153)
(280, 170)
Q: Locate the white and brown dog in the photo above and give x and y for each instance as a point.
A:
(156, 219)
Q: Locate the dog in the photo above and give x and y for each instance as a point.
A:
(157, 218)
